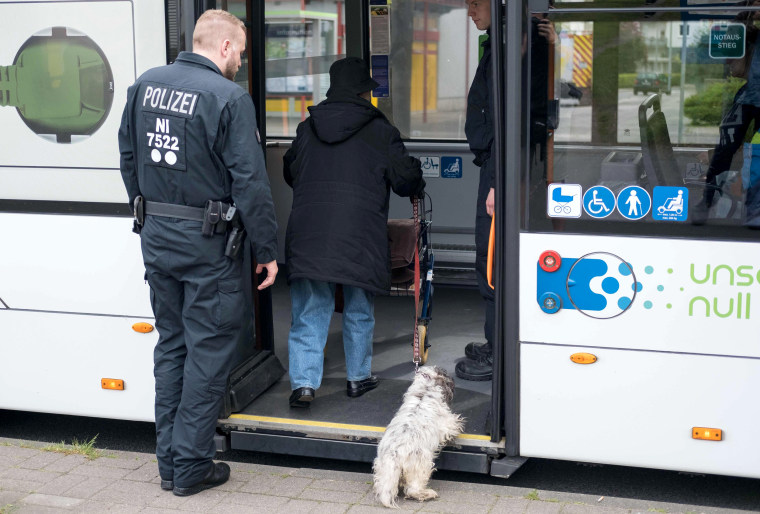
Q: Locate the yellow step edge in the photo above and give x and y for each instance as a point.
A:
(327, 424)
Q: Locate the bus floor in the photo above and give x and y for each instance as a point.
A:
(457, 318)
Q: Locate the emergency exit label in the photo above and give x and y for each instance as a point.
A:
(727, 40)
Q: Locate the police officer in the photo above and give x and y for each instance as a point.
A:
(190, 150)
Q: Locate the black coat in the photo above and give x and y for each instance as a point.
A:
(344, 161)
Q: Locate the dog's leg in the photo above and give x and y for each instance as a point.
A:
(387, 475)
(417, 472)
(450, 427)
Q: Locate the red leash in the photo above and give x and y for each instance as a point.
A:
(416, 358)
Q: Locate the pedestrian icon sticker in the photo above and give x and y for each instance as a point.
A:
(599, 202)
(564, 201)
(633, 202)
(670, 203)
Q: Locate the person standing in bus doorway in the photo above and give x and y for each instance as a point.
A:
(478, 362)
(192, 164)
(744, 112)
(344, 161)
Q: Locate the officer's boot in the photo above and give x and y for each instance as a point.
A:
(479, 369)
(475, 350)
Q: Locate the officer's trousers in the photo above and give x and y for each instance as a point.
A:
(482, 232)
(198, 301)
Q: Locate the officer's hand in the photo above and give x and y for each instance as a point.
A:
(489, 203)
(271, 274)
(546, 29)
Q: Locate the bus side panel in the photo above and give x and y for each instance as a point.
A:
(688, 294)
(77, 264)
(638, 408)
(55, 363)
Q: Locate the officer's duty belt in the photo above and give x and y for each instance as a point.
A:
(171, 210)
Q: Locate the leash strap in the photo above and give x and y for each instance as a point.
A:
(416, 358)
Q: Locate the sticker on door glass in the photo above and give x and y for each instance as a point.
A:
(564, 201)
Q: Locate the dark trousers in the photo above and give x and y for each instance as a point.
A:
(198, 301)
(482, 232)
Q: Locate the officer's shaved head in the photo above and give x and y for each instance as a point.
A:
(213, 27)
(220, 36)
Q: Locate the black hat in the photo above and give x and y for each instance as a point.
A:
(350, 75)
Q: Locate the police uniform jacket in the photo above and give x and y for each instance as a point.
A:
(344, 160)
(189, 135)
(478, 125)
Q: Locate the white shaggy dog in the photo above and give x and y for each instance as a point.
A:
(420, 428)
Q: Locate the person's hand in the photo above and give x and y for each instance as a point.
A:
(489, 203)
(271, 268)
(546, 29)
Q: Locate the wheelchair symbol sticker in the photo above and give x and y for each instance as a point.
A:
(670, 203)
(564, 201)
(430, 166)
(599, 202)
(633, 202)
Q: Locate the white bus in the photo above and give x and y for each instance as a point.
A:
(628, 322)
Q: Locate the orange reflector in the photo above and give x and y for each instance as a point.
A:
(583, 358)
(707, 434)
(142, 327)
(112, 383)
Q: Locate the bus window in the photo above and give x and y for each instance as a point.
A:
(300, 47)
(433, 54)
(652, 137)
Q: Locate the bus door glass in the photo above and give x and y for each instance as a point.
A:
(639, 242)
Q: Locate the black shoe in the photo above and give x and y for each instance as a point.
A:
(476, 350)
(356, 388)
(475, 370)
(167, 485)
(301, 397)
(218, 474)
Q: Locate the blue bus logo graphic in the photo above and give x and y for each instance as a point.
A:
(599, 285)
(451, 167)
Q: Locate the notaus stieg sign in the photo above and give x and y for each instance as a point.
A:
(727, 40)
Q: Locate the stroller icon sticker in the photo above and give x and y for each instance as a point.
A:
(670, 203)
(599, 202)
(564, 201)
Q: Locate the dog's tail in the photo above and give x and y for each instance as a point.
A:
(387, 475)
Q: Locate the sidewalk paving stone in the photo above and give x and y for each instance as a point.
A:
(41, 460)
(48, 500)
(263, 502)
(34, 475)
(89, 470)
(145, 473)
(67, 463)
(276, 486)
(331, 496)
(61, 484)
(342, 485)
(88, 487)
(132, 493)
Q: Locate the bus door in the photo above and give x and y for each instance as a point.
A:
(638, 269)
(424, 53)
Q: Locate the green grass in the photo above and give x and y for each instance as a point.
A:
(76, 448)
(7, 509)
(533, 495)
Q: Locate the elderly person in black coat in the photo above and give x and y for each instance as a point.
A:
(344, 161)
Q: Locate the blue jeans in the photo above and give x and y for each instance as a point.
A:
(313, 303)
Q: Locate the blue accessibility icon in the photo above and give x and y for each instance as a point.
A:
(451, 167)
(599, 202)
(670, 203)
(634, 202)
